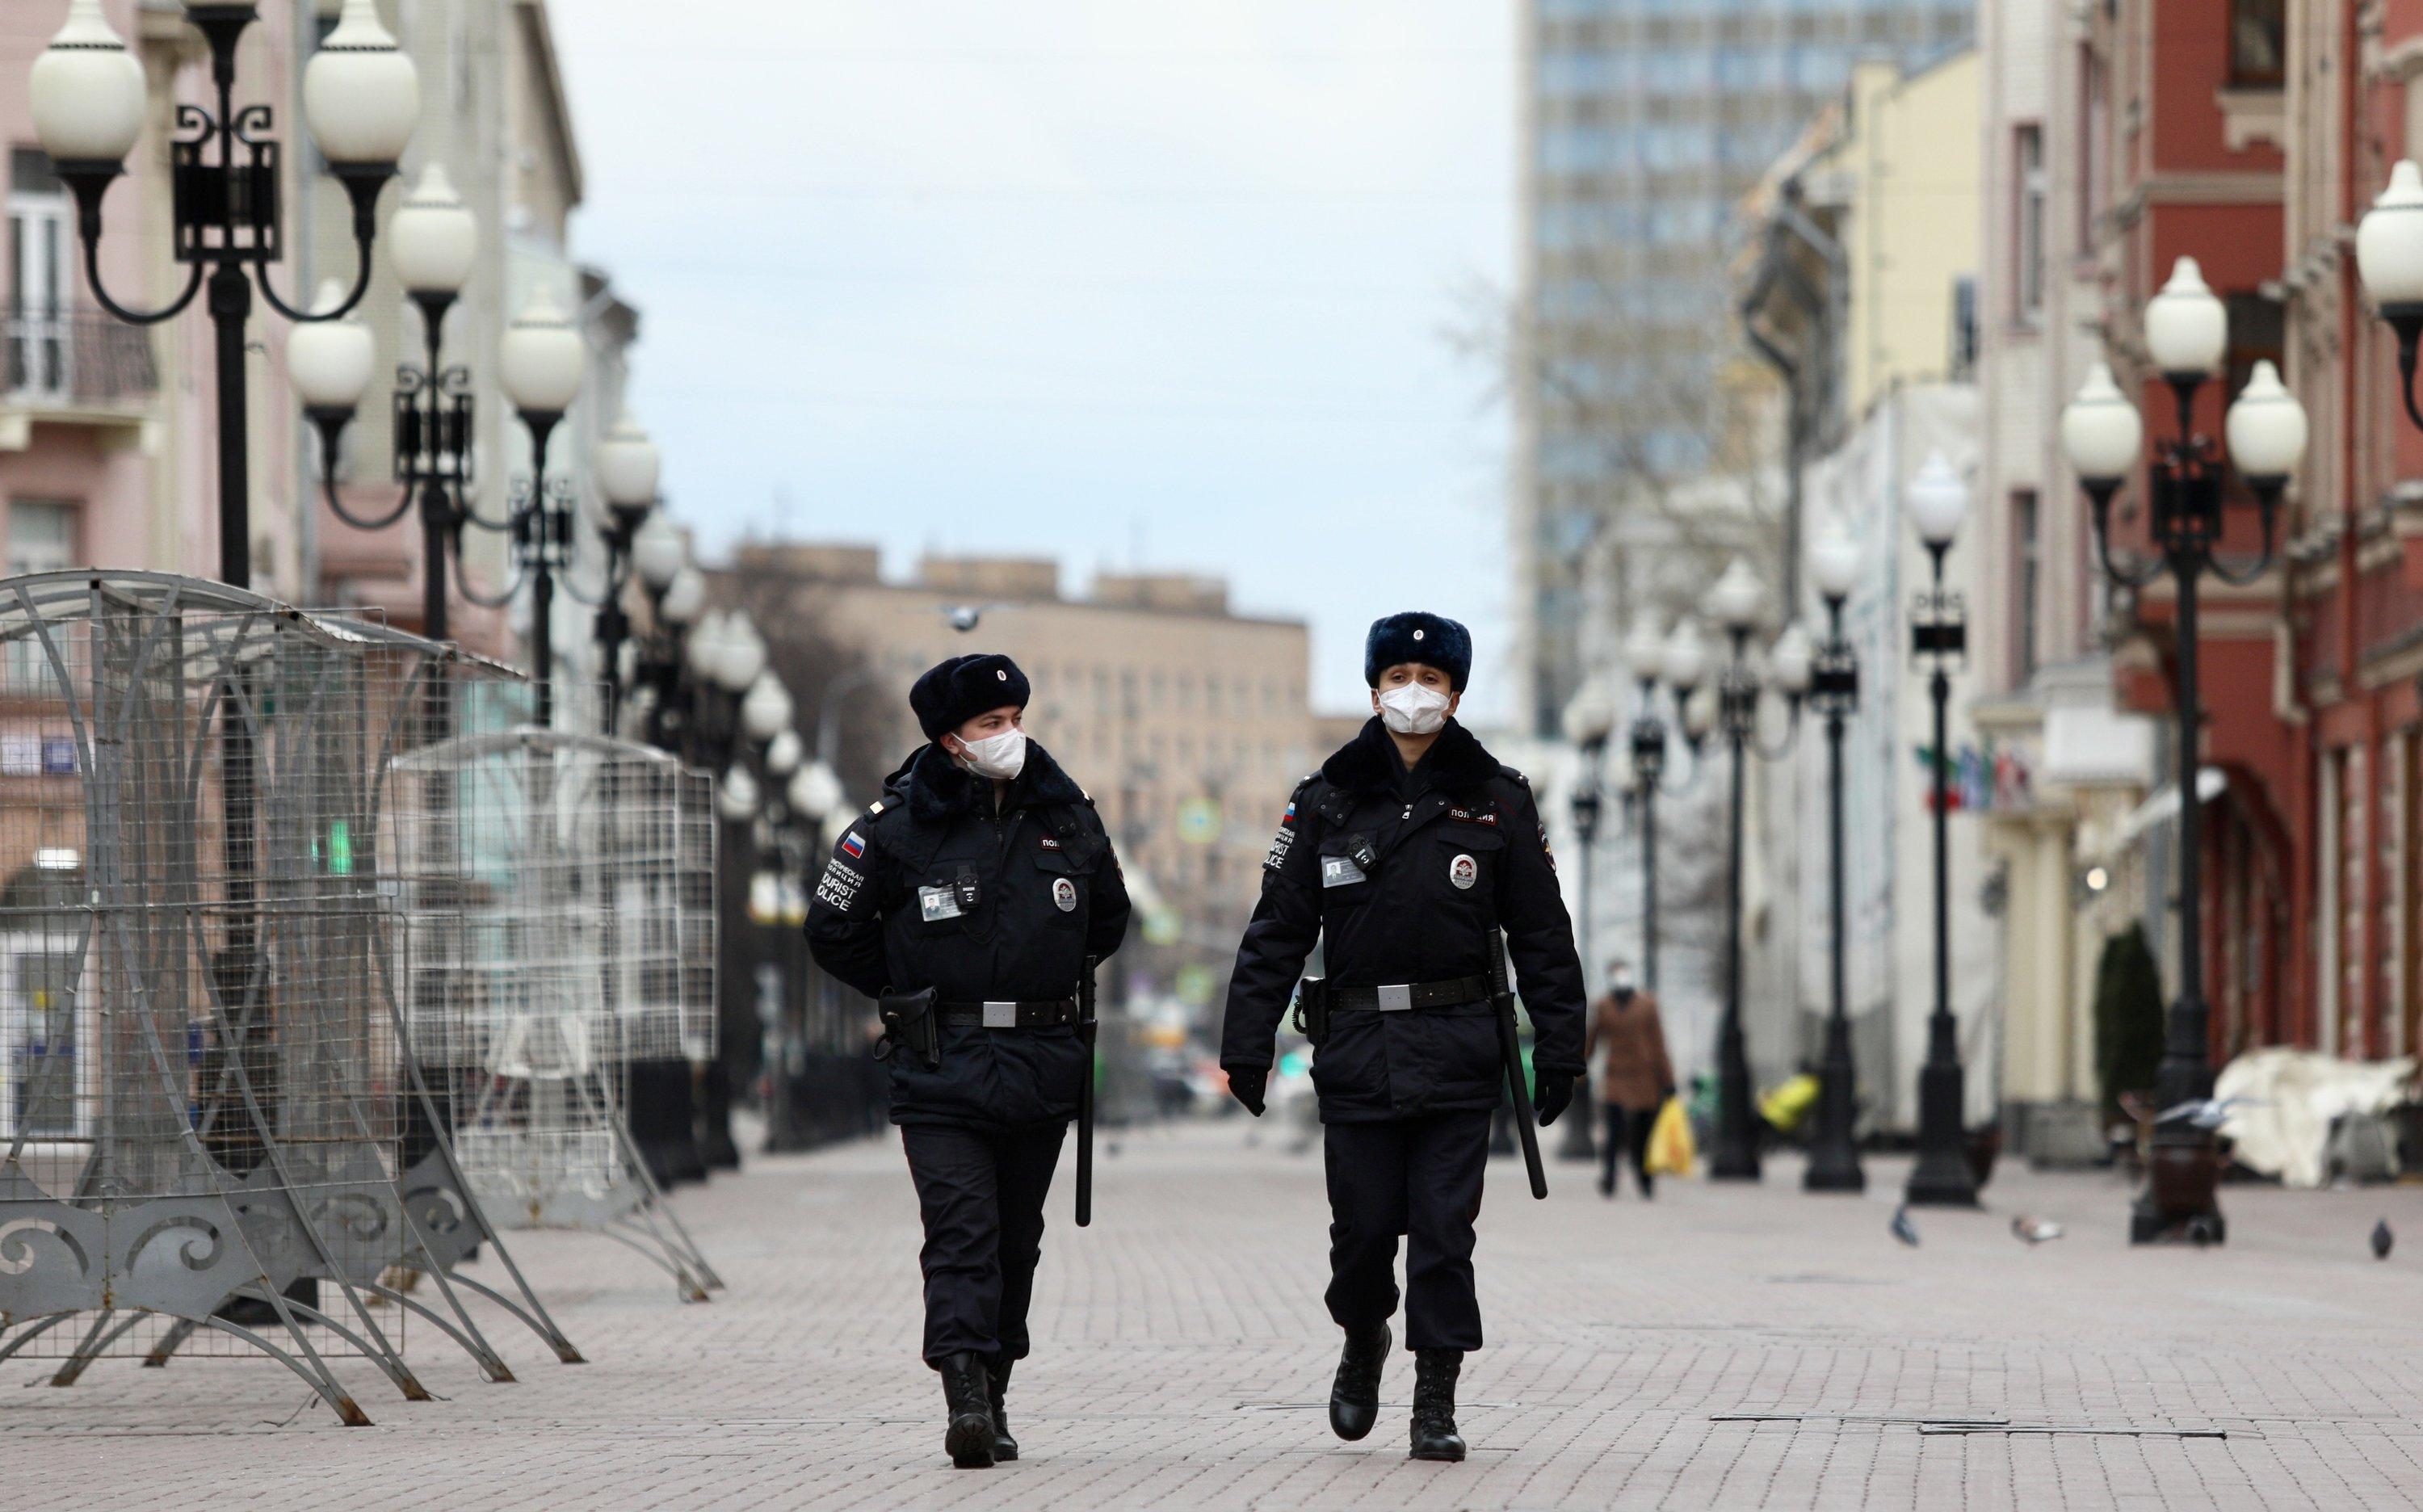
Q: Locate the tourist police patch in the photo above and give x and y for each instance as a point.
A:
(839, 891)
(1284, 841)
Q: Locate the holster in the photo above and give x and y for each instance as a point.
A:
(1313, 1009)
(910, 1024)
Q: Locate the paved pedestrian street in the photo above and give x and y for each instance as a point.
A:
(1721, 1348)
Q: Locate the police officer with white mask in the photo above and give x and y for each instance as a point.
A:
(1407, 854)
(969, 902)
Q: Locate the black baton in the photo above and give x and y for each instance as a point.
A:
(1510, 1049)
(1085, 1098)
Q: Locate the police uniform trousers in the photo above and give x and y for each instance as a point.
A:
(980, 1191)
(1419, 1177)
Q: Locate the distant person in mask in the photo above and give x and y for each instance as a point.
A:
(1405, 853)
(1635, 1079)
(967, 900)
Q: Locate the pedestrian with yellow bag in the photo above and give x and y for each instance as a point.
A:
(1636, 1077)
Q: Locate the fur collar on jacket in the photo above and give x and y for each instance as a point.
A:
(938, 790)
(1456, 759)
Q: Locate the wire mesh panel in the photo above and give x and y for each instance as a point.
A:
(198, 1098)
(571, 948)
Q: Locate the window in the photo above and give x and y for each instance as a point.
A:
(41, 538)
(1962, 359)
(2257, 43)
(41, 535)
(1579, 149)
(38, 276)
(2028, 549)
(1576, 73)
(2258, 333)
(2027, 222)
(2094, 144)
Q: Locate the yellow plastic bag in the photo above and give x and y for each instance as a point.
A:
(1785, 1105)
(1671, 1150)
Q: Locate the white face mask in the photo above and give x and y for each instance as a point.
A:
(999, 756)
(1414, 709)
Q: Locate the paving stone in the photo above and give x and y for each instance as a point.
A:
(1723, 1346)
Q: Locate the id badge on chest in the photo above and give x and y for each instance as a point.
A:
(1354, 866)
(948, 900)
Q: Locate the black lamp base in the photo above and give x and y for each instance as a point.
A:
(2179, 1204)
(1940, 1179)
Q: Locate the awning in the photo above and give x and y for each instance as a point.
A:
(2163, 806)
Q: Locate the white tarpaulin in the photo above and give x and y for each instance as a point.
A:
(2291, 1097)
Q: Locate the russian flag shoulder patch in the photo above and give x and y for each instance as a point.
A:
(853, 845)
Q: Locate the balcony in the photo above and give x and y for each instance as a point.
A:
(72, 366)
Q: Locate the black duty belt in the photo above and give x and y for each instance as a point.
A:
(1021, 1015)
(1409, 995)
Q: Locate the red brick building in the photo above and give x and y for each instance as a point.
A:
(2252, 135)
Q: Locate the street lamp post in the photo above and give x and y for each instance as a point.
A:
(737, 802)
(664, 1101)
(1733, 603)
(1937, 499)
(628, 466)
(809, 797)
(540, 364)
(2187, 334)
(775, 863)
(361, 98)
(1589, 719)
(1681, 659)
(432, 240)
(742, 713)
(675, 602)
(1835, 693)
(658, 557)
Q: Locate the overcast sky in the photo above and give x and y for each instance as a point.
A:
(1170, 282)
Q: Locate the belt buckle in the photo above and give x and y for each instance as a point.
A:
(1000, 1015)
(1397, 999)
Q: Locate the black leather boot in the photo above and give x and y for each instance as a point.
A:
(1434, 1435)
(1355, 1396)
(1005, 1448)
(970, 1397)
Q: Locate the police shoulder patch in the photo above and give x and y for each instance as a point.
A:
(841, 887)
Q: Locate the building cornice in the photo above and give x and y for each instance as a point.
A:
(2213, 187)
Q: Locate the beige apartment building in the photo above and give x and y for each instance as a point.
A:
(1186, 720)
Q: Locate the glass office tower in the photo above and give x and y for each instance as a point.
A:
(1645, 123)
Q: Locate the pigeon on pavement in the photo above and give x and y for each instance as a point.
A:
(2382, 1240)
(1903, 1229)
(2034, 1231)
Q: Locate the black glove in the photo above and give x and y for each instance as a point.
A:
(1245, 1084)
(1554, 1093)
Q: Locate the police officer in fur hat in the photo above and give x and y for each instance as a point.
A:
(1406, 854)
(968, 902)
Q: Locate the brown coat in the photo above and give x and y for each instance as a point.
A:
(1637, 1072)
